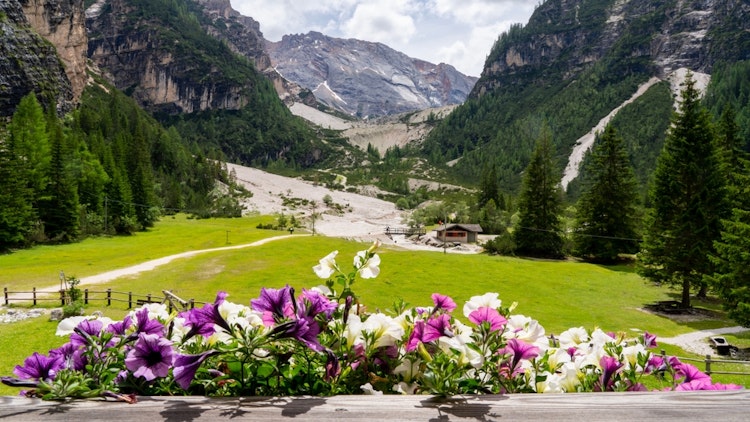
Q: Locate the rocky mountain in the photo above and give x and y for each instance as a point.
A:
(366, 79)
(184, 57)
(577, 61)
(42, 50)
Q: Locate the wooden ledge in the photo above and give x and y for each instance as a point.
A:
(694, 405)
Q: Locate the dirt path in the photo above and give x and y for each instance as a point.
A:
(696, 341)
(142, 267)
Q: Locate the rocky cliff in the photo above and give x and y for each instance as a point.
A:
(364, 78)
(30, 63)
(63, 24)
(243, 35)
(565, 37)
(154, 52)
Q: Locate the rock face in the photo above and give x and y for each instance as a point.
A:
(243, 35)
(63, 24)
(28, 62)
(364, 78)
(157, 65)
(665, 36)
(132, 50)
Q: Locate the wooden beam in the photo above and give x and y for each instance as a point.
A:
(733, 405)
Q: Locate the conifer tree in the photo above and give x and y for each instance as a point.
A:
(28, 129)
(539, 232)
(59, 207)
(688, 201)
(607, 216)
(16, 213)
(731, 281)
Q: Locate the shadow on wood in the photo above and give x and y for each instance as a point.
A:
(693, 405)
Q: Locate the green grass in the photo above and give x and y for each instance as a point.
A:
(40, 266)
(558, 294)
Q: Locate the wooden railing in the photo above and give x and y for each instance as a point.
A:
(109, 296)
(408, 231)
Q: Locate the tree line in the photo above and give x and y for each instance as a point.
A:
(107, 168)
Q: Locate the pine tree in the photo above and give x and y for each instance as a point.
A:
(731, 281)
(59, 208)
(607, 217)
(539, 232)
(28, 130)
(488, 188)
(688, 201)
(16, 212)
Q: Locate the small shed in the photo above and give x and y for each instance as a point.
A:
(462, 233)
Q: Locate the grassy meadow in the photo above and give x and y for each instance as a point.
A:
(560, 294)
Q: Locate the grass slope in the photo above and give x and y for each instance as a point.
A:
(558, 294)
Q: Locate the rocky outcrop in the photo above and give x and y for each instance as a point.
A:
(146, 59)
(29, 63)
(63, 24)
(366, 79)
(569, 36)
(243, 35)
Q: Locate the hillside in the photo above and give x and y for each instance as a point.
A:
(572, 65)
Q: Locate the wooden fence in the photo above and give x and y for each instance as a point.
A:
(108, 296)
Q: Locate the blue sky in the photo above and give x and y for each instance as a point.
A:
(457, 32)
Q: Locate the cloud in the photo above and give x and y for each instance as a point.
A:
(457, 32)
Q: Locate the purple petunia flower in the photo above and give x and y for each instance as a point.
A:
(119, 328)
(416, 336)
(490, 315)
(610, 365)
(185, 367)
(146, 325)
(691, 373)
(151, 357)
(39, 367)
(518, 351)
(276, 301)
(649, 340)
(313, 303)
(443, 302)
(84, 330)
(202, 320)
(437, 327)
(304, 330)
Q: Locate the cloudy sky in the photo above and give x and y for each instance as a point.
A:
(457, 32)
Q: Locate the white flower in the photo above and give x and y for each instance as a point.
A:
(353, 330)
(368, 268)
(383, 329)
(405, 388)
(370, 391)
(322, 289)
(488, 300)
(526, 329)
(408, 369)
(572, 337)
(66, 326)
(327, 266)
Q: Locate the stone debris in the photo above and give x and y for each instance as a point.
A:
(15, 315)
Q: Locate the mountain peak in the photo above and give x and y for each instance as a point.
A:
(366, 79)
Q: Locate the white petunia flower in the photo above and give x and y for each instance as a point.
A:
(368, 268)
(327, 266)
(384, 329)
(487, 300)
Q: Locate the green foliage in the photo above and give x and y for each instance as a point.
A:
(687, 199)
(539, 231)
(730, 86)
(607, 216)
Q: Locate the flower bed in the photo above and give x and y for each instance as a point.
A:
(322, 342)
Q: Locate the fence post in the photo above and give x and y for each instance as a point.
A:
(192, 303)
(62, 297)
(109, 297)
(708, 364)
(5, 293)
(148, 297)
(85, 296)
(33, 295)
(130, 300)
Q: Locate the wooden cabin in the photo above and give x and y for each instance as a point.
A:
(461, 233)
